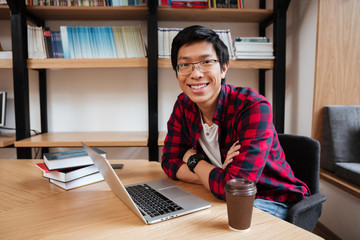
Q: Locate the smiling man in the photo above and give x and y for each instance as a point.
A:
(218, 132)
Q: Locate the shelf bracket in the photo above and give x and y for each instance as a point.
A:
(279, 72)
(20, 74)
(152, 54)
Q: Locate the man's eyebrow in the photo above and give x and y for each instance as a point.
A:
(200, 57)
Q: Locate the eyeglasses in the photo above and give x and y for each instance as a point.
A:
(203, 66)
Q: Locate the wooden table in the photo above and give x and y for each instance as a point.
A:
(32, 208)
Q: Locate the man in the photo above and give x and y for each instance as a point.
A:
(219, 132)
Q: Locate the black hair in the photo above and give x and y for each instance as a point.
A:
(198, 33)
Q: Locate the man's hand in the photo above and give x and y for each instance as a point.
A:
(233, 151)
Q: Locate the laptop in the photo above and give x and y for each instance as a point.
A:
(152, 201)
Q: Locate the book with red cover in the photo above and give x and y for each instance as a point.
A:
(67, 174)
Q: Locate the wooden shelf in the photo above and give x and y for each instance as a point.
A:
(161, 138)
(5, 63)
(7, 139)
(88, 13)
(241, 63)
(340, 183)
(86, 63)
(74, 139)
(214, 14)
(4, 12)
(140, 13)
(58, 63)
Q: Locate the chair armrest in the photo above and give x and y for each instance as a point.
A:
(305, 205)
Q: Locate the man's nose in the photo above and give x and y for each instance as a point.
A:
(196, 72)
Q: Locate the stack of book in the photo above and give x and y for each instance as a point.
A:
(253, 48)
(166, 36)
(70, 169)
(86, 42)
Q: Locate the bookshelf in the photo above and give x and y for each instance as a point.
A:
(151, 14)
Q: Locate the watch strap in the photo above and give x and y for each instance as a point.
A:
(194, 160)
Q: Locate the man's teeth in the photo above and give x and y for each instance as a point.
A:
(198, 86)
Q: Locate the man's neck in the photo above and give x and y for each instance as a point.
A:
(207, 112)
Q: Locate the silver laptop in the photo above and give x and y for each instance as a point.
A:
(163, 200)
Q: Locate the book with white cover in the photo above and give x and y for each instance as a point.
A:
(253, 46)
(5, 54)
(67, 174)
(89, 179)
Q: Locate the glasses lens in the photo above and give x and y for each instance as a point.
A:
(185, 68)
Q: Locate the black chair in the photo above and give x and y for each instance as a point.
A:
(303, 155)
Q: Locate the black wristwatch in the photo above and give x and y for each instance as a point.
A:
(193, 161)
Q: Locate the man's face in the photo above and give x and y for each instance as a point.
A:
(202, 87)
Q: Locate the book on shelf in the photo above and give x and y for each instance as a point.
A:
(36, 42)
(67, 174)
(56, 44)
(102, 42)
(226, 3)
(252, 39)
(166, 36)
(190, 3)
(48, 43)
(253, 48)
(68, 159)
(85, 3)
(83, 181)
(5, 54)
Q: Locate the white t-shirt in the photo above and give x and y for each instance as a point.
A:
(209, 142)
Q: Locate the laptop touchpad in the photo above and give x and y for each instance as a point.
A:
(173, 192)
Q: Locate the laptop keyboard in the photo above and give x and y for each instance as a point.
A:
(151, 201)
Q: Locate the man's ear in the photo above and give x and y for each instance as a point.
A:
(224, 69)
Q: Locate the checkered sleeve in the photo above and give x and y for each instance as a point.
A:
(174, 143)
(254, 130)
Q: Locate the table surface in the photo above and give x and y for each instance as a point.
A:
(33, 208)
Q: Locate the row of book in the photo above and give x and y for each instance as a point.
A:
(166, 36)
(86, 42)
(86, 3)
(127, 42)
(171, 3)
(70, 169)
(203, 3)
(253, 48)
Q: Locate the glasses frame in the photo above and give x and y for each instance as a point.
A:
(193, 66)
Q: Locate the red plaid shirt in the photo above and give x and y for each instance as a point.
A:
(242, 114)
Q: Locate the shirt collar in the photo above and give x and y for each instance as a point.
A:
(219, 114)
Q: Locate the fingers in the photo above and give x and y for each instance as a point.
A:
(233, 152)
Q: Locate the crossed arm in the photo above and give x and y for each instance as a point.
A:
(203, 168)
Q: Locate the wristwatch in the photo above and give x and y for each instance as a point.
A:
(193, 161)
